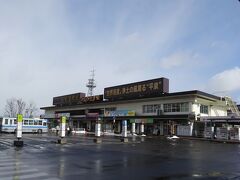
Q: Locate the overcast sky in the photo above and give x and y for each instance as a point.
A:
(49, 47)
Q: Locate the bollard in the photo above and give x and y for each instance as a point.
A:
(19, 141)
(62, 139)
(133, 138)
(98, 129)
(142, 139)
(124, 131)
(142, 130)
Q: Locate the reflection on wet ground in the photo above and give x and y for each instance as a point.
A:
(149, 158)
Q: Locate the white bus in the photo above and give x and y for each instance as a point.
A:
(34, 125)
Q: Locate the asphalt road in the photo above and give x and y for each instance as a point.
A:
(140, 158)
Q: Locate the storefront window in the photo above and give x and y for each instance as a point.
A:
(151, 108)
(176, 107)
(184, 107)
(167, 107)
(203, 109)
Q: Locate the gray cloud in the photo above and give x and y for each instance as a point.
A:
(178, 59)
(225, 82)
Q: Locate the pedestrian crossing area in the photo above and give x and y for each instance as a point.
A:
(13, 168)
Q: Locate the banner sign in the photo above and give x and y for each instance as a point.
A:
(59, 115)
(143, 89)
(76, 99)
(120, 113)
(139, 121)
(95, 115)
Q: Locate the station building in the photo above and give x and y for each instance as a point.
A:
(147, 104)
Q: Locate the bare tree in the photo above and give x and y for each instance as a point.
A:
(16, 106)
(31, 110)
(20, 106)
(10, 108)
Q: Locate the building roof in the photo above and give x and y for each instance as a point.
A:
(196, 93)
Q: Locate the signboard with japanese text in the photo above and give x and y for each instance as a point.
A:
(76, 99)
(143, 89)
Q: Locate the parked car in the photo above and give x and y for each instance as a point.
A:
(79, 131)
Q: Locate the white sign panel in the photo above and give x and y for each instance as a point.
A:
(208, 132)
(184, 130)
(234, 133)
(222, 133)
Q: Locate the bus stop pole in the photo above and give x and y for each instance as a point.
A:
(142, 129)
(133, 129)
(19, 141)
(98, 138)
(62, 139)
(124, 131)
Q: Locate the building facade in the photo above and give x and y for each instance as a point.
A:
(147, 106)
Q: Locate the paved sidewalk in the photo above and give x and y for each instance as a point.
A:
(212, 140)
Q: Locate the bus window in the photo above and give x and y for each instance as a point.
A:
(25, 122)
(15, 121)
(10, 121)
(35, 122)
(40, 122)
(44, 124)
(6, 121)
(30, 122)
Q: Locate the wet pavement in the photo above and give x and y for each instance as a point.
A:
(141, 158)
